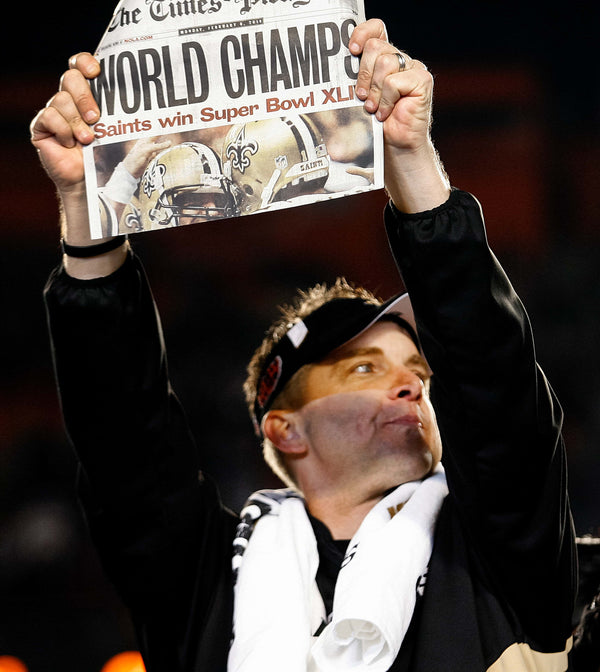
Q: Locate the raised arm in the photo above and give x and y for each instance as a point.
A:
(398, 90)
(155, 518)
(499, 419)
(59, 132)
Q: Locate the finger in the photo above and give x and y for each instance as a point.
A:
(367, 173)
(416, 85)
(149, 147)
(62, 119)
(49, 123)
(371, 29)
(86, 64)
(143, 152)
(372, 50)
(159, 146)
(76, 85)
(38, 128)
(156, 149)
(388, 63)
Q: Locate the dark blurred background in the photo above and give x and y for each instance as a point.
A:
(516, 122)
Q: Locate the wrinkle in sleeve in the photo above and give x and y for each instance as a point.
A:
(472, 325)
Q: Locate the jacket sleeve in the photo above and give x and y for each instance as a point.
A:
(499, 419)
(154, 516)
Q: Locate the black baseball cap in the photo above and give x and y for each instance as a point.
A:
(328, 327)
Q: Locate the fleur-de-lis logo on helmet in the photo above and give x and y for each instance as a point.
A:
(152, 179)
(240, 149)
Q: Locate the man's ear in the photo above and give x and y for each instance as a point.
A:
(281, 428)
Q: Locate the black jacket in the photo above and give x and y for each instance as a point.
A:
(502, 578)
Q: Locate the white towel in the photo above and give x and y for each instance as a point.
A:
(277, 605)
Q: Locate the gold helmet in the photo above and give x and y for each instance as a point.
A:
(184, 182)
(274, 160)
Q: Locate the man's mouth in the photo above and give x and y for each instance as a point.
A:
(409, 419)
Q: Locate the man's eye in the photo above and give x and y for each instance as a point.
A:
(425, 378)
(364, 367)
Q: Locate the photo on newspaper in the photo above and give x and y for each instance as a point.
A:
(226, 108)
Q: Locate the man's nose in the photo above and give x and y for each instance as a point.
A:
(408, 385)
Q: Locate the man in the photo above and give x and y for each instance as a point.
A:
(275, 160)
(183, 185)
(374, 567)
(158, 185)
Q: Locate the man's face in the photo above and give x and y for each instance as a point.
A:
(367, 412)
(199, 207)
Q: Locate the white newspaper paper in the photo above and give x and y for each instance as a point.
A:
(222, 108)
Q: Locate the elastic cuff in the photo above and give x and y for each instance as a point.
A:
(454, 192)
(92, 250)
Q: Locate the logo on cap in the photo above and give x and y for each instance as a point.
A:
(269, 381)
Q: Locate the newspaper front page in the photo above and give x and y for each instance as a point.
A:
(222, 108)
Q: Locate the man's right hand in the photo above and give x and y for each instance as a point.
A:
(60, 130)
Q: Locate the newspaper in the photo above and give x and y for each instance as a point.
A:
(223, 108)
